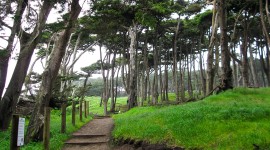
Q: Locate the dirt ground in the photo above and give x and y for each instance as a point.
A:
(96, 135)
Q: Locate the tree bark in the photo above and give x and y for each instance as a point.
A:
(175, 61)
(266, 35)
(245, 59)
(28, 43)
(226, 77)
(49, 75)
(202, 72)
(132, 98)
(210, 69)
(4, 59)
(105, 94)
(155, 81)
(112, 107)
(190, 89)
(252, 67)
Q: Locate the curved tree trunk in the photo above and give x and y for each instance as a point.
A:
(28, 43)
(36, 123)
(4, 58)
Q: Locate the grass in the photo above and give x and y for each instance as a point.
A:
(95, 101)
(57, 139)
(235, 119)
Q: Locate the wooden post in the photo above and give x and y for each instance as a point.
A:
(63, 122)
(14, 133)
(81, 110)
(73, 112)
(46, 129)
(85, 109)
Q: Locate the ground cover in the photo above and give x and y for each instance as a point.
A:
(235, 119)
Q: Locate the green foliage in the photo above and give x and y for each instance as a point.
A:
(235, 119)
(199, 23)
(92, 68)
(193, 8)
(4, 53)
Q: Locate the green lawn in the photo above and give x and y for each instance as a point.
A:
(235, 119)
(95, 101)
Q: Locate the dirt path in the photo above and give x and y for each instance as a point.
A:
(94, 136)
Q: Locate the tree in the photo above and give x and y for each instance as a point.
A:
(28, 42)
(226, 76)
(49, 75)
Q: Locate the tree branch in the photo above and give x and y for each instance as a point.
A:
(4, 24)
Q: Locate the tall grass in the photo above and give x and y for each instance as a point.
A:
(236, 119)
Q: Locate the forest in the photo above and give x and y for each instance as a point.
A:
(148, 49)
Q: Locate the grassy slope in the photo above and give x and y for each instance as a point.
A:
(235, 119)
(57, 138)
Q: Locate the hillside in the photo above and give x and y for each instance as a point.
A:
(235, 119)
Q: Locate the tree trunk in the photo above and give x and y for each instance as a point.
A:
(28, 43)
(190, 89)
(105, 94)
(252, 67)
(245, 59)
(266, 35)
(112, 107)
(28, 79)
(155, 81)
(202, 72)
(49, 75)
(116, 86)
(4, 58)
(132, 98)
(175, 60)
(181, 78)
(165, 80)
(226, 77)
(146, 69)
(161, 89)
(264, 28)
(210, 69)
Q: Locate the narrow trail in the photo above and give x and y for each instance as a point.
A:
(94, 136)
